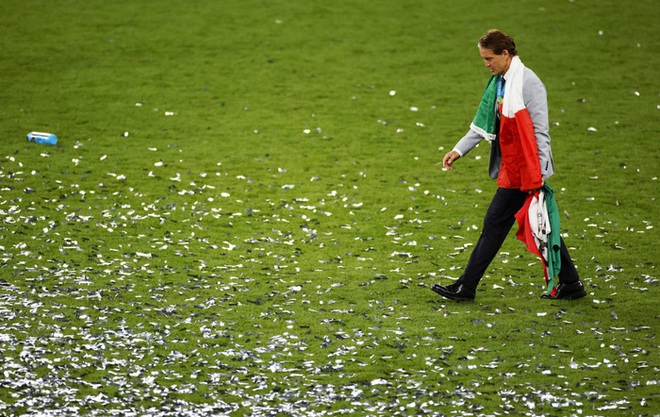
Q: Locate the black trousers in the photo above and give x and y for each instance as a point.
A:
(499, 219)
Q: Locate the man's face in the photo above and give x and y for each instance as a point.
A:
(497, 64)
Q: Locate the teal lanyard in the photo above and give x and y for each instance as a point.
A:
(501, 85)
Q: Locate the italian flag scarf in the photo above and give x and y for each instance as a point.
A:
(514, 157)
(538, 229)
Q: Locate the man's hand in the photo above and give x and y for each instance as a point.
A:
(449, 159)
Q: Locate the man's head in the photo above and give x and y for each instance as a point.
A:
(497, 49)
(498, 42)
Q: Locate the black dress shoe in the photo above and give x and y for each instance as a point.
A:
(455, 291)
(571, 291)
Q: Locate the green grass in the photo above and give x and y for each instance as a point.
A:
(240, 218)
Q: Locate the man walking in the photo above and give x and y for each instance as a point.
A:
(513, 116)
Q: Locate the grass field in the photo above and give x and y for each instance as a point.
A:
(246, 209)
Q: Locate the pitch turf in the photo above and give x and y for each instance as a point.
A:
(246, 209)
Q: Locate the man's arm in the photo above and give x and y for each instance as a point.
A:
(465, 145)
(536, 102)
(468, 142)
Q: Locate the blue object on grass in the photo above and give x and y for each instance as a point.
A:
(41, 137)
